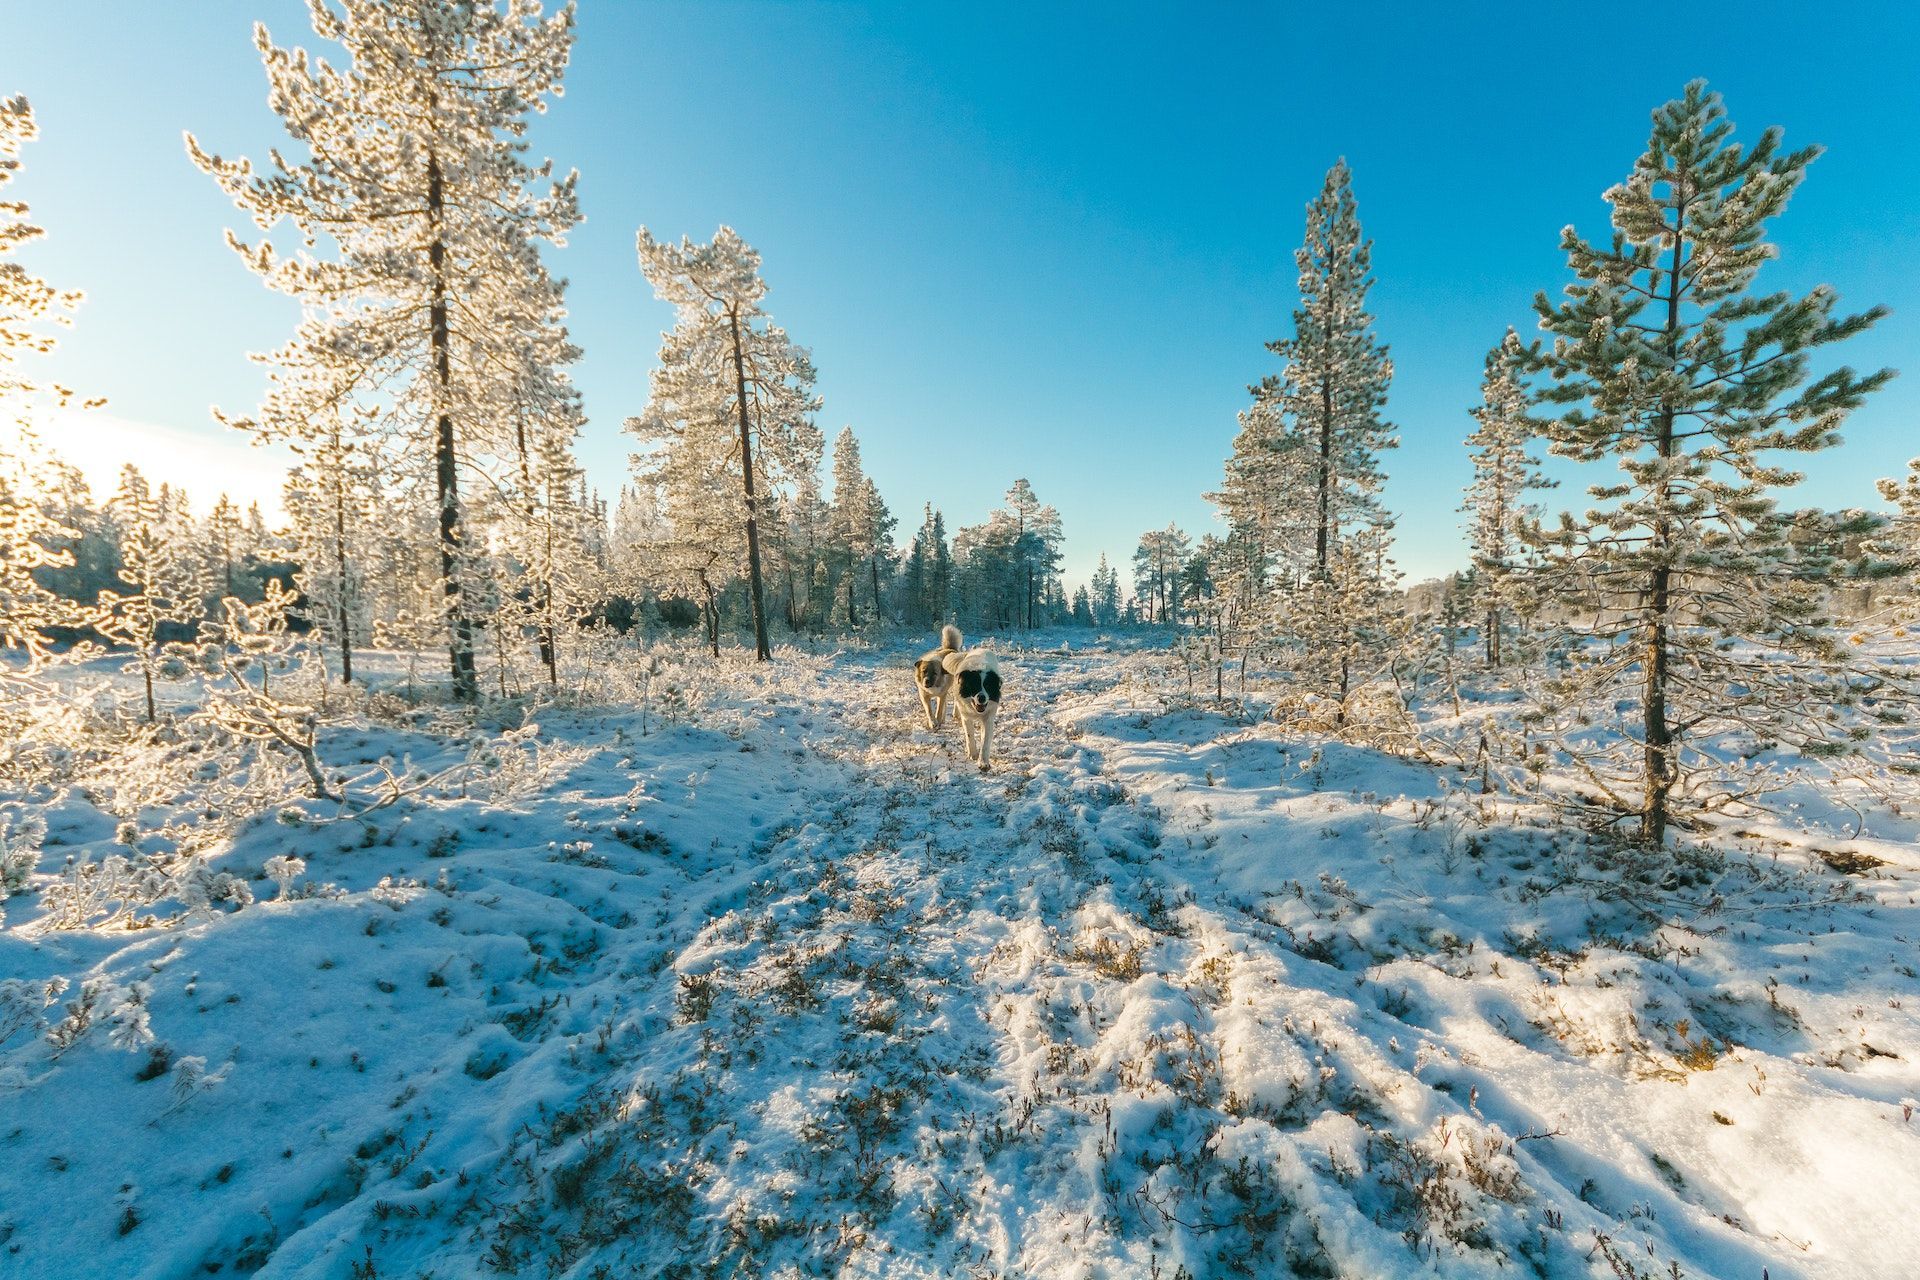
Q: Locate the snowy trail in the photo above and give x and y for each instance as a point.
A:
(805, 993)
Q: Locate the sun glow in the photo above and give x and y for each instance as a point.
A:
(204, 461)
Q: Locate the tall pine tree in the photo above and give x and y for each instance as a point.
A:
(421, 221)
(1666, 362)
(1333, 386)
(731, 388)
(1496, 506)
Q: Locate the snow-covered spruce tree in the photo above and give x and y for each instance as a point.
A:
(983, 584)
(1104, 593)
(1269, 499)
(405, 598)
(879, 559)
(1157, 563)
(1496, 500)
(1333, 383)
(731, 387)
(1038, 536)
(1082, 607)
(693, 545)
(804, 541)
(421, 220)
(927, 575)
(1212, 608)
(1665, 361)
(31, 538)
(1894, 547)
(220, 539)
(164, 585)
(555, 575)
(1349, 626)
(329, 500)
(852, 534)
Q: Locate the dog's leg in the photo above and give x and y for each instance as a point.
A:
(926, 707)
(940, 715)
(986, 742)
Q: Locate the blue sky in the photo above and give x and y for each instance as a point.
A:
(1039, 240)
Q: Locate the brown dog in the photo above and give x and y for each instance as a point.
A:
(932, 679)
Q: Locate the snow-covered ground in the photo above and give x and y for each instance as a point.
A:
(788, 988)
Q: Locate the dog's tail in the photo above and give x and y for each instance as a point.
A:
(950, 637)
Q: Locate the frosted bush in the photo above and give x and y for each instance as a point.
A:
(123, 1009)
(90, 893)
(518, 766)
(395, 893)
(191, 1079)
(130, 1021)
(23, 1004)
(200, 889)
(283, 871)
(19, 853)
(80, 1014)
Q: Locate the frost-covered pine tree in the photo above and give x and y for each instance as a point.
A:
(880, 552)
(1504, 473)
(1038, 537)
(421, 221)
(1269, 499)
(693, 543)
(854, 535)
(1701, 615)
(732, 389)
(1082, 610)
(164, 585)
(33, 537)
(555, 576)
(805, 542)
(1332, 388)
(1157, 563)
(1348, 626)
(31, 542)
(220, 534)
(1104, 593)
(927, 575)
(329, 500)
(406, 600)
(30, 308)
(1894, 546)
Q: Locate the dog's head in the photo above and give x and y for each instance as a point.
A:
(980, 688)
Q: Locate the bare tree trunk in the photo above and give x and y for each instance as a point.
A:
(466, 680)
(713, 616)
(1658, 755)
(761, 650)
(340, 563)
(1326, 475)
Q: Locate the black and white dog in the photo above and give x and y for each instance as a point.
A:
(970, 680)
